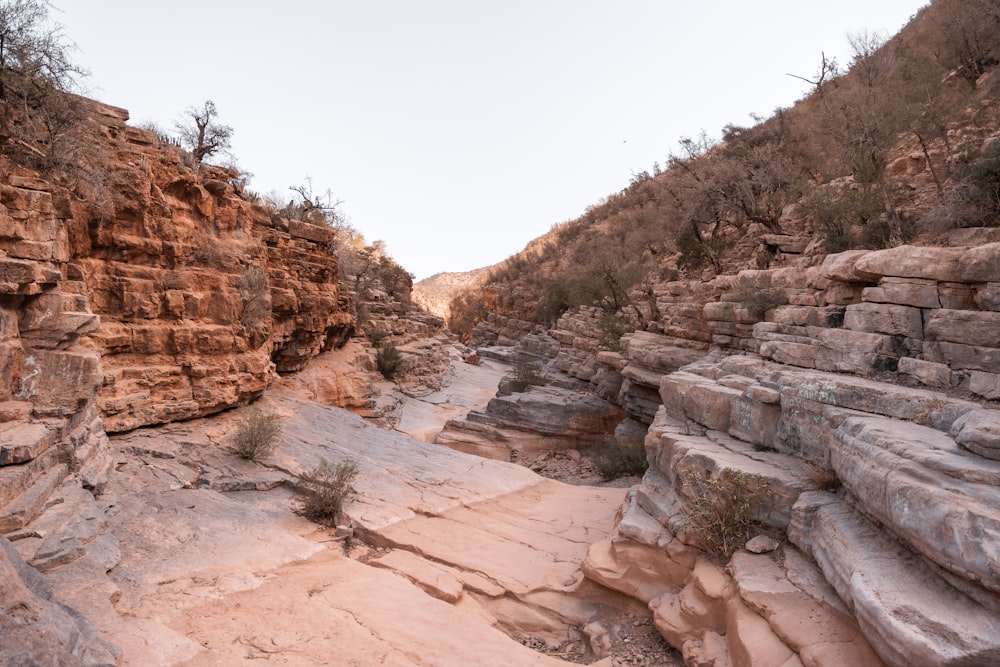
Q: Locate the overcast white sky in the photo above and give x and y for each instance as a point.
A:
(458, 130)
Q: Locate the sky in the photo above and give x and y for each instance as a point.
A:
(457, 131)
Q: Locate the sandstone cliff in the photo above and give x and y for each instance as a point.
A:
(169, 294)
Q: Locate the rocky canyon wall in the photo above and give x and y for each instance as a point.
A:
(865, 405)
(162, 293)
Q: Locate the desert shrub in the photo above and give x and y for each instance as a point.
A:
(612, 327)
(836, 212)
(527, 374)
(209, 253)
(555, 300)
(324, 490)
(759, 301)
(253, 283)
(692, 255)
(388, 360)
(721, 514)
(821, 474)
(253, 287)
(257, 434)
(980, 187)
(614, 459)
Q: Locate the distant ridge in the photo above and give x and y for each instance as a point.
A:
(435, 293)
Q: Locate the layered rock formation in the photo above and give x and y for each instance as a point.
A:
(160, 293)
(862, 405)
(195, 556)
(203, 294)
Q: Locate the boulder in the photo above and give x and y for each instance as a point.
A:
(907, 261)
(916, 292)
(979, 431)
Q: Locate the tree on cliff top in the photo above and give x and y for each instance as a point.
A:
(201, 132)
(35, 73)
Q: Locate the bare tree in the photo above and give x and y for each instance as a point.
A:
(202, 133)
(828, 69)
(35, 73)
(969, 37)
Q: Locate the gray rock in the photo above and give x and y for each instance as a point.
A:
(762, 544)
(909, 613)
(35, 628)
(979, 432)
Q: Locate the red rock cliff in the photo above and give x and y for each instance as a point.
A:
(167, 293)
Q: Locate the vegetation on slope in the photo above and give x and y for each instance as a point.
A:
(834, 167)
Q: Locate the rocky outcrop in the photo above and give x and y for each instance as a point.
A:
(538, 419)
(39, 630)
(195, 556)
(50, 372)
(203, 294)
(909, 540)
(434, 294)
(162, 292)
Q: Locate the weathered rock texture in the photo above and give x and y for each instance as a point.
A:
(203, 294)
(909, 540)
(885, 490)
(194, 556)
(166, 295)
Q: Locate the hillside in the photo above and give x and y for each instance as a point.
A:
(897, 148)
(434, 294)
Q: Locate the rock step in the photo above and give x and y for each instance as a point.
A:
(906, 609)
(70, 522)
(679, 451)
(29, 504)
(20, 442)
(938, 498)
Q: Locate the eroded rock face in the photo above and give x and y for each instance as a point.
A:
(909, 543)
(192, 548)
(541, 418)
(36, 629)
(203, 294)
(166, 295)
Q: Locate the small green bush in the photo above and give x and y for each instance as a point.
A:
(612, 327)
(257, 434)
(527, 374)
(721, 515)
(388, 360)
(324, 490)
(614, 459)
(759, 301)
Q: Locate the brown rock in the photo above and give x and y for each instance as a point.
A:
(980, 264)
(979, 432)
(841, 266)
(904, 291)
(907, 261)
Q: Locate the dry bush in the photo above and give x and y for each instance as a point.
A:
(388, 360)
(253, 286)
(209, 253)
(759, 301)
(721, 515)
(257, 434)
(821, 475)
(324, 490)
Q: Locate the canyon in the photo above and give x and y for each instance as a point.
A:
(137, 320)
